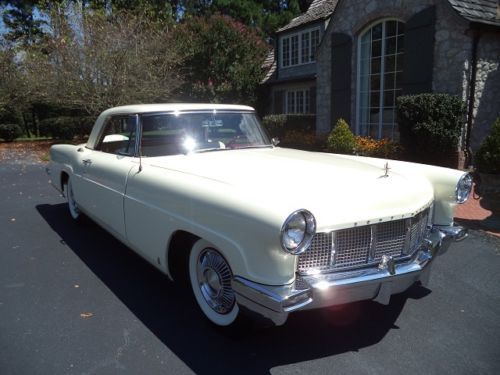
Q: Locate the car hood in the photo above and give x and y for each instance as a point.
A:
(339, 191)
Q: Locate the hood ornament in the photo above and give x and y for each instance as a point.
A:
(386, 170)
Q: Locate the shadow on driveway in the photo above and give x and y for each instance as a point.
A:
(175, 320)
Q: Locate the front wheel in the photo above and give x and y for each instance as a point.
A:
(74, 211)
(210, 276)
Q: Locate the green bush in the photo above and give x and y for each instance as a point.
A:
(487, 158)
(9, 132)
(301, 122)
(275, 124)
(280, 125)
(341, 140)
(430, 124)
(66, 127)
(303, 140)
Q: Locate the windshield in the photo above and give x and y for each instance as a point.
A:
(184, 132)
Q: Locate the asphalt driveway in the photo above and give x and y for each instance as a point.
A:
(73, 300)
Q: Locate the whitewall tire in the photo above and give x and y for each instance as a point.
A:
(210, 276)
(74, 211)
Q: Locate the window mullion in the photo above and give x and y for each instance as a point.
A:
(382, 71)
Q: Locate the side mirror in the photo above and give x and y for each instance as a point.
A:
(275, 141)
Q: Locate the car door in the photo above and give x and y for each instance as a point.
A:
(104, 172)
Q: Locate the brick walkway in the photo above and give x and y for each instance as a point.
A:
(479, 213)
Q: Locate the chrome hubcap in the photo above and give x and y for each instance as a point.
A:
(214, 280)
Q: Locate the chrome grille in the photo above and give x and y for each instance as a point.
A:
(364, 245)
(321, 258)
(391, 238)
(350, 246)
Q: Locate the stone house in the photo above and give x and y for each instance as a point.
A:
(290, 82)
(372, 51)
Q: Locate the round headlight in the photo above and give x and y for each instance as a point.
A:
(464, 188)
(298, 231)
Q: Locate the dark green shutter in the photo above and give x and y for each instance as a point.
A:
(418, 58)
(341, 77)
(278, 102)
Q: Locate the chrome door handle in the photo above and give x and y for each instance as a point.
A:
(87, 161)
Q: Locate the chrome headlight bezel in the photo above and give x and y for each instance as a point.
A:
(463, 188)
(308, 232)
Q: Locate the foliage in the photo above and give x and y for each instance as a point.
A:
(487, 158)
(221, 59)
(9, 132)
(266, 16)
(123, 60)
(378, 148)
(19, 17)
(275, 124)
(430, 124)
(66, 127)
(303, 140)
(341, 140)
(74, 58)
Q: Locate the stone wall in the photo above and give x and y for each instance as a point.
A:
(352, 17)
(452, 57)
(487, 92)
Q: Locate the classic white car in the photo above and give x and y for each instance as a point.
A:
(199, 190)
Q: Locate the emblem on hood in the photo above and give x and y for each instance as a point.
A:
(386, 170)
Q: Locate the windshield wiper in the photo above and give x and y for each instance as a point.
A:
(210, 149)
(255, 146)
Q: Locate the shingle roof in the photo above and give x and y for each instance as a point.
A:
(480, 11)
(319, 9)
(269, 66)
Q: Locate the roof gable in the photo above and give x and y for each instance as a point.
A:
(480, 11)
(318, 10)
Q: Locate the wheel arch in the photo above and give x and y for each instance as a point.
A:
(64, 177)
(177, 255)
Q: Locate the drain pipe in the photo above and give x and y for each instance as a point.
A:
(471, 97)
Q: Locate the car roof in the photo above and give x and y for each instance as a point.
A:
(145, 108)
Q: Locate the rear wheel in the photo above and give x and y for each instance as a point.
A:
(74, 211)
(210, 276)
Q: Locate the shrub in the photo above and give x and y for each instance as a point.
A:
(301, 122)
(302, 140)
(341, 140)
(9, 132)
(381, 148)
(487, 158)
(278, 125)
(275, 124)
(66, 127)
(430, 124)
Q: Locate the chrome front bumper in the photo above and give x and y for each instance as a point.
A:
(321, 290)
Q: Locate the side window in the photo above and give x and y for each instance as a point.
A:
(119, 136)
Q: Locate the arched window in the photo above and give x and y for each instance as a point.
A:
(380, 52)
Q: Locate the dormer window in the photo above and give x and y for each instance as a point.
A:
(299, 48)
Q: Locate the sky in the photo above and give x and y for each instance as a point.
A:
(2, 26)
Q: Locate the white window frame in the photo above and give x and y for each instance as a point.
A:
(383, 72)
(302, 35)
(293, 103)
